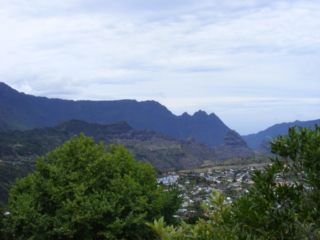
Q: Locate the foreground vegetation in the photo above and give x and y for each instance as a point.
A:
(269, 210)
(81, 192)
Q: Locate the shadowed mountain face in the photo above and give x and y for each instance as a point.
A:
(161, 150)
(233, 146)
(22, 111)
(264, 148)
(254, 140)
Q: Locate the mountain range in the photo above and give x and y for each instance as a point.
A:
(19, 111)
(255, 140)
(18, 149)
(32, 126)
(22, 111)
(161, 150)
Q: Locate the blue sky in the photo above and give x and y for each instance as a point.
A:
(253, 63)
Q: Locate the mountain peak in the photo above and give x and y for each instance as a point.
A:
(185, 114)
(233, 146)
(23, 111)
(200, 113)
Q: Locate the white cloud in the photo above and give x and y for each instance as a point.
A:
(168, 51)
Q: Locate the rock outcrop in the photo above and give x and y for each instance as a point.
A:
(233, 146)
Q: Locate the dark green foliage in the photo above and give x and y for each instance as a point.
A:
(8, 175)
(285, 211)
(2, 234)
(18, 150)
(172, 202)
(194, 219)
(81, 192)
(26, 144)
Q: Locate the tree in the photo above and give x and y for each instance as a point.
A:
(172, 202)
(270, 210)
(81, 192)
(285, 211)
(2, 235)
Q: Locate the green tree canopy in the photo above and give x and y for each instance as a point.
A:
(81, 192)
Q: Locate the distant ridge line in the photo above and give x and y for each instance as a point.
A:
(23, 111)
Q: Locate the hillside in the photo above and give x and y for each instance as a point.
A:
(254, 140)
(18, 149)
(233, 146)
(161, 150)
(22, 111)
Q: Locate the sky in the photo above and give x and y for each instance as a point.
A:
(254, 63)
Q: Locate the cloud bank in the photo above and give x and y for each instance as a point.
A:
(253, 63)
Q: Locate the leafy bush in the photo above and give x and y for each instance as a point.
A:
(81, 192)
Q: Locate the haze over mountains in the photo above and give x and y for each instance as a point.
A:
(255, 140)
(148, 129)
(21, 111)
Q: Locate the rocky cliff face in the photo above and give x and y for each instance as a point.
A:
(233, 146)
(22, 111)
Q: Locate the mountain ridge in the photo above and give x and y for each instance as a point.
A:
(161, 150)
(254, 140)
(23, 111)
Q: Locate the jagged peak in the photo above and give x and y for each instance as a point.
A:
(200, 113)
(185, 114)
(23, 111)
